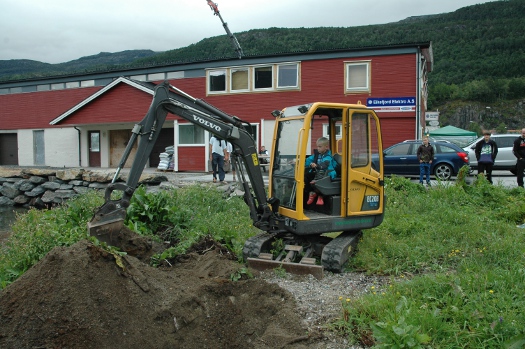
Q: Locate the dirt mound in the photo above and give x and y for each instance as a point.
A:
(84, 297)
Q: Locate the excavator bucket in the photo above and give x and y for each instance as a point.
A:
(107, 231)
(107, 223)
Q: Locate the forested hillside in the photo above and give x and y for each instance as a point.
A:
(479, 51)
(477, 41)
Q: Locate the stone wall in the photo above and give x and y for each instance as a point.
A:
(44, 187)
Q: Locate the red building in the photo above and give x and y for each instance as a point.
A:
(86, 119)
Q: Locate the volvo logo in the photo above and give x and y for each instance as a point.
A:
(207, 123)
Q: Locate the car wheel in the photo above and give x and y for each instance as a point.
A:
(443, 172)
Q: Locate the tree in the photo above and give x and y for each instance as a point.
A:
(501, 128)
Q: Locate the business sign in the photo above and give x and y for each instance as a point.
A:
(432, 116)
(392, 104)
(433, 123)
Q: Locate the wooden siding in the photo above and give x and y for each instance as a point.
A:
(395, 130)
(191, 158)
(121, 104)
(35, 110)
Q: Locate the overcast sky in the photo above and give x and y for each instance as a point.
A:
(55, 31)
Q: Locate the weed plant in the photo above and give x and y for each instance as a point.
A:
(457, 266)
(179, 216)
(182, 217)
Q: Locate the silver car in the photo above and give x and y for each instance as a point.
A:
(505, 159)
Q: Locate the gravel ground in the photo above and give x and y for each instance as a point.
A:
(319, 300)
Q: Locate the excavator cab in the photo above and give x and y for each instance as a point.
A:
(352, 201)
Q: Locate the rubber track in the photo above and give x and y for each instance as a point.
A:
(253, 246)
(336, 253)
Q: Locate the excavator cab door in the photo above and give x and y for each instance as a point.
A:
(362, 175)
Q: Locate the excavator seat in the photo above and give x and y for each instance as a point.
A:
(328, 186)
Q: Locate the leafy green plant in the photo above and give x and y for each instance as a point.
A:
(396, 333)
(277, 247)
(157, 214)
(242, 273)
(280, 272)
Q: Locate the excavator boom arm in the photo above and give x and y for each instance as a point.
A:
(107, 221)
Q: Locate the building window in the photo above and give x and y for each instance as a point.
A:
(58, 86)
(156, 77)
(262, 77)
(357, 77)
(217, 81)
(239, 79)
(141, 77)
(337, 130)
(253, 78)
(43, 87)
(87, 83)
(175, 75)
(191, 134)
(287, 75)
(72, 84)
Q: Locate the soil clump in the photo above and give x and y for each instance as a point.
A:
(85, 297)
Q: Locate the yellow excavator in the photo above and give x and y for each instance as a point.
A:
(315, 237)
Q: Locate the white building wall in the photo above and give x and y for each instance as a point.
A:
(61, 147)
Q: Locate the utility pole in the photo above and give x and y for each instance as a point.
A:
(232, 37)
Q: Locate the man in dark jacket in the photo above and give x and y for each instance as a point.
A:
(519, 152)
(425, 155)
(486, 152)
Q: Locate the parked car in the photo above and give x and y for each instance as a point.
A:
(505, 161)
(401, 159)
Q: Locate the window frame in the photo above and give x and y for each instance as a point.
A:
(233, 79)
(195, 127)
(254, 80)
(251, 69)
(278, 76)
(208, 82)
(368, 80)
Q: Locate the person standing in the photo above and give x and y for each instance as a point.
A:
(425, 155)
(486, 152)
(218, 154)
(519, 152)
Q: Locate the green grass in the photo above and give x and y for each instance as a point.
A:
(454, 256)
(457, 267)
(36, 232)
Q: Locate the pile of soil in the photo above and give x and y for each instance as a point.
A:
(84, 297)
